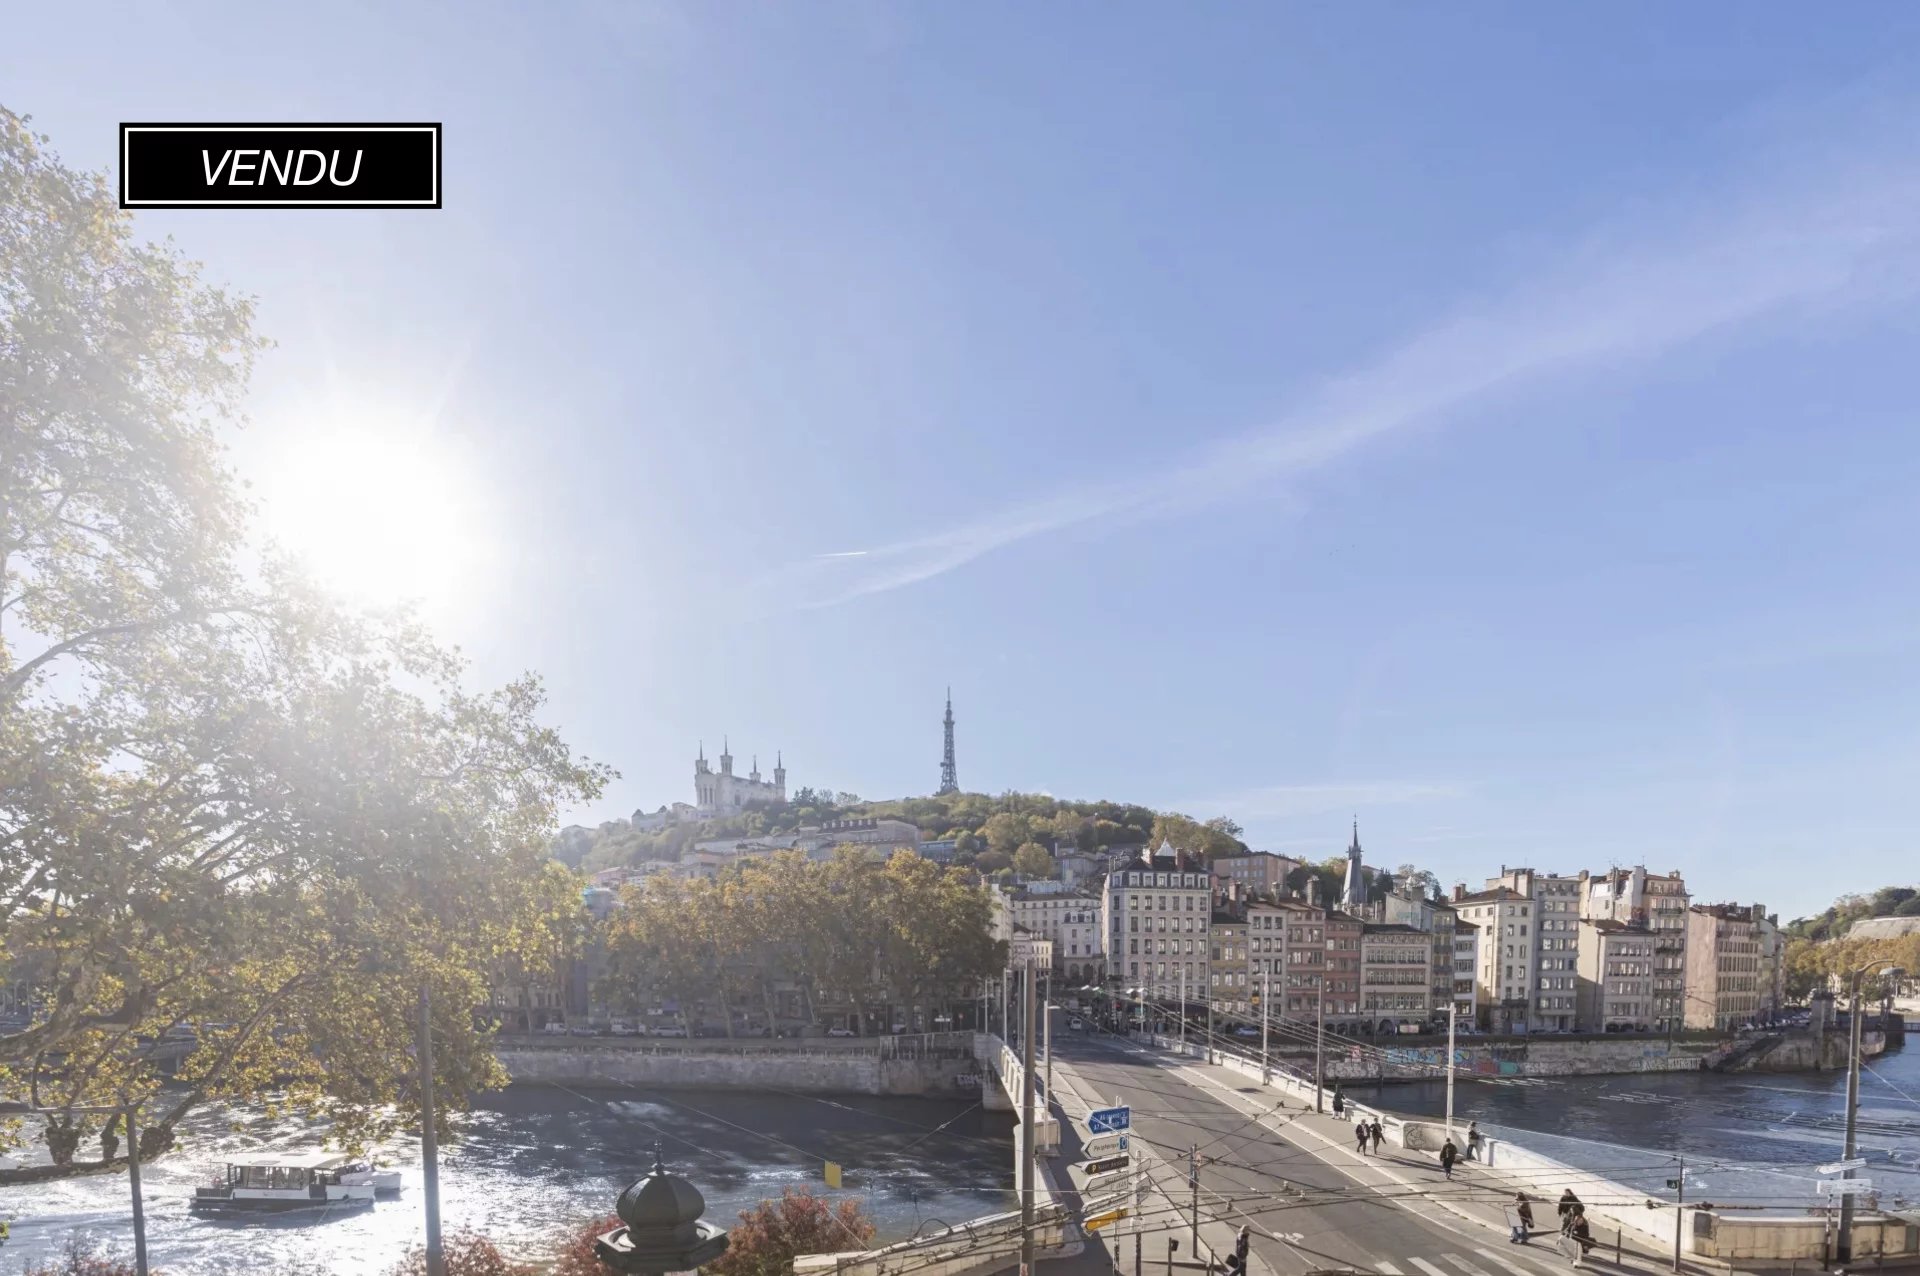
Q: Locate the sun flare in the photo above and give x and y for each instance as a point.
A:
(377, 517)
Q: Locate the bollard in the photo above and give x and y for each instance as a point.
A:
(1616, 1247)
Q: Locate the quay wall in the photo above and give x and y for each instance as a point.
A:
(806, 1069)
(1538, 1057)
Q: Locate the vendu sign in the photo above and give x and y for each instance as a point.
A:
(279, 166)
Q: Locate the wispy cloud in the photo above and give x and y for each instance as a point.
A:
(1294, 801)
(1801, 240)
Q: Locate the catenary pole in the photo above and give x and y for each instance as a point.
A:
(1453, 1013)
(1026, 1119)
(1266, 1018)
(1320, 1046)
(429, 1140)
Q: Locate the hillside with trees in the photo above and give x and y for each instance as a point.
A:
(1888, 901)
(988, 831)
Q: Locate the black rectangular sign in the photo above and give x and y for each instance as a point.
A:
(1108, 1165)
(279, 166)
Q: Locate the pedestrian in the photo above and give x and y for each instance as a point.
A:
(1339, 1105)
(1378, 1134)
(1448, 1154)
(1473, 1140)
(1568, 1204)
(1361, 1133)
(1522, 1220)
(1582, 1234)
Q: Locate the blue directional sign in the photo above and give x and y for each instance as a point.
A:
(1109, 1120)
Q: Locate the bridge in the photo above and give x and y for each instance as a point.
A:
(1262, 1158)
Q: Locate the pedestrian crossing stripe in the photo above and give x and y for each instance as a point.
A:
(1388, 1269)
(1465, 1266)
(1498, 1261)
(1428, 1268)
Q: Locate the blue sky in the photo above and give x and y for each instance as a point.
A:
(1496, 421)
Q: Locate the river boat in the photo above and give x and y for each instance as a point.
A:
(385, 1182)
(287, 1183)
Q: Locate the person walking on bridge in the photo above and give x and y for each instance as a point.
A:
(1473, 1140)
(1522, 1220)
(1448, 1155)
(1378, 1134)
(1362, 1132)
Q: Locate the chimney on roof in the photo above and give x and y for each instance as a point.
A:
(1459, 891)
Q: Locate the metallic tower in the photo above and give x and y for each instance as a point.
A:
(949, 777)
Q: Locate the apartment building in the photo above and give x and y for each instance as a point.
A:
(1729, 977)
(1657, 901)
(1438, 921)
(1228, 965)
(1556, 935)
(1617, 965)
(1154, 914)
(1503, 918)
(1069, 920)
(1466, 965)
(1396, 977)
(1344, 932)
(1306, 960)
(1262, 873)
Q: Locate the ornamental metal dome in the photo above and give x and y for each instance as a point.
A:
(661, 1203)
(662, 1230)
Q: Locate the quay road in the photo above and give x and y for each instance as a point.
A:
(1311, 1202)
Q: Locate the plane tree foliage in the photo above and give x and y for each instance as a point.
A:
(900, 932)
(240, 827)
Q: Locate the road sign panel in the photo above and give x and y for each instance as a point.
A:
(1108, 1166)
(1110, 1120)
(1841, 1167)
(1125, 1142)
(1673, 1184)
(1099, 1221)
(1846, 1187)
(1103, 1145)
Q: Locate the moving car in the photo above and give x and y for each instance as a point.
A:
(840, 1032)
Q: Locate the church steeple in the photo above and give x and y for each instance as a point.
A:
(1353, 893)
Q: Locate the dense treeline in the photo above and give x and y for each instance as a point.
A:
(902, 932)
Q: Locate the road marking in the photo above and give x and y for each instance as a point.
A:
(1428, 1268)
(1464, 1265)
(1388, 1269)
(1498, 1261)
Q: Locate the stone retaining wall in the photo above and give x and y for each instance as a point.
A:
(591, 1063)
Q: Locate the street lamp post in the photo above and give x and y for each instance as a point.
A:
(1843, 1247)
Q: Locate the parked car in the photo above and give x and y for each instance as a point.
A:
(1077, 1024)
(1246, 1030)
(840, 1032)
(555, 1029)
(667, 1030)
(621, 1028)
(584, 1030)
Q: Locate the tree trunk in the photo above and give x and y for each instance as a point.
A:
(62, 1141)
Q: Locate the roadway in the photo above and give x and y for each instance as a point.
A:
(1312, 1203)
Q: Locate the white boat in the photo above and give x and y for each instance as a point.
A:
(286, 1182)
(384, 1181)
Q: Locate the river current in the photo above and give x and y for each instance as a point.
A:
(1748, 1137)
(532, 1162)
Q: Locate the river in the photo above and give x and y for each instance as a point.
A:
(1747, 1137)
(533, 1161)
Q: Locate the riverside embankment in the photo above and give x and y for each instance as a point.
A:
(937, 1065)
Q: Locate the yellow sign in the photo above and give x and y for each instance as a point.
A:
(833, 1174)
(1099, 1221)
